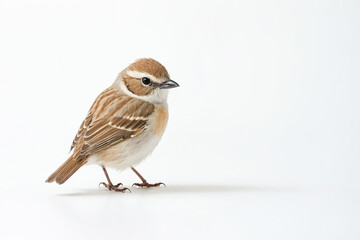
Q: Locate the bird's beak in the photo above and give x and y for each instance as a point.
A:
(169, 84)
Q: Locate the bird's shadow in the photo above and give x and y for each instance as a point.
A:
(180, 189)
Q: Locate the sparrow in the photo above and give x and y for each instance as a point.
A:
(124, 124)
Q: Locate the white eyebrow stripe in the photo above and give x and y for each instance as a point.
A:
(137, 74)
(156, 97)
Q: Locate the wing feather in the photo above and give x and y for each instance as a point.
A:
(83, 127)
(119, 119)
(104, 134)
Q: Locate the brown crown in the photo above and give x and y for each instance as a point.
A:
(150, 66)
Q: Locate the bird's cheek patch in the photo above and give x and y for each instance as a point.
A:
(136, 87)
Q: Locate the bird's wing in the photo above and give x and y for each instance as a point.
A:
(84, 126)
(119, 119)
(99, 101)
(107, 96)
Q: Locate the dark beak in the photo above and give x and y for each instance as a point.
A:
(169, 84)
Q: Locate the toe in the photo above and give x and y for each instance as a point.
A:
(160, 184)
(102, 183)
(121, 190)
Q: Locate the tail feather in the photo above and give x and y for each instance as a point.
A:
(66, 170)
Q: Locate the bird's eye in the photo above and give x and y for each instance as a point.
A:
(146, 81)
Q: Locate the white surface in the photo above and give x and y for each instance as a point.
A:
(183, 212)
(263, 138)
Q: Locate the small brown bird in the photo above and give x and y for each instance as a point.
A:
(124, 124)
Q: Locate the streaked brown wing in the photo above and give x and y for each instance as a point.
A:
(113, 118)
(83, 127)
(103, 134)
(108, 93)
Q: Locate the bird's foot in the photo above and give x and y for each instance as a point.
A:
(115, 188)
(148, 185)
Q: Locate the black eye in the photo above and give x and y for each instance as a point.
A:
(146, 81)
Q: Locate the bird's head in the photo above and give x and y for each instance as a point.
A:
(146, 79)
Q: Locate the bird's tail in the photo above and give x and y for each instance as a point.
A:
(66, 170)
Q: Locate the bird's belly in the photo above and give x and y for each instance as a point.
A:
(128, 153)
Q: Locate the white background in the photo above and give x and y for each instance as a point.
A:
(263, 140)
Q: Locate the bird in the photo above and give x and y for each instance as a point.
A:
(124, 124)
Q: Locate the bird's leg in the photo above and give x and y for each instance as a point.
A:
(144, 183)
(110, 186)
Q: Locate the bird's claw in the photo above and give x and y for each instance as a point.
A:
(148, 185)
(114, 187)
(121, 190)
